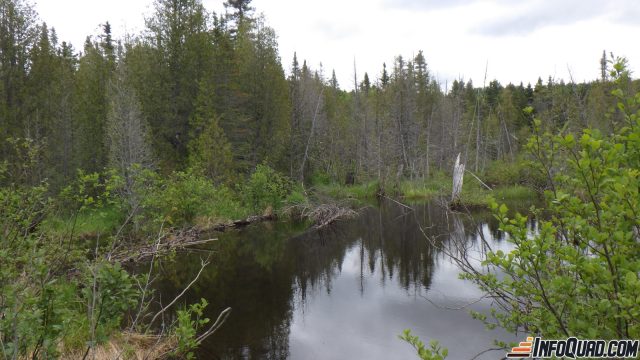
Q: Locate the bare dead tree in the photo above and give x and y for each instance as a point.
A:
(127, 134)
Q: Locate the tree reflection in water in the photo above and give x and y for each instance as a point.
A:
(279, 279)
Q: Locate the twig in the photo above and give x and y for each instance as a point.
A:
(216, 325)
(202, 266)
(486, 351)
(398, 202)
(461, 307)
(481, 182)
(146, 286)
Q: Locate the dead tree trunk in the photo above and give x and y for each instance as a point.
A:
(458, 175)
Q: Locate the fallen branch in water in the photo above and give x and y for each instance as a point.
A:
(242, 222)
(171, 241)
(326, 214)
(203, 265)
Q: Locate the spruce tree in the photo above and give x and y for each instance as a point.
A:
(209, 151)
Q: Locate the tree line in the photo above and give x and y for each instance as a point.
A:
(208, 92)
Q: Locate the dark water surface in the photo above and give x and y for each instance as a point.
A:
(344, 292)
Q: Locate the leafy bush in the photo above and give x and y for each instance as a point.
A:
(108, 292)
(578, 276)
(517, 172)
(41, 307)
(296, 197)
(500, 172)
(226, 204)
(265, 188)
(187, 328)
(179, 199)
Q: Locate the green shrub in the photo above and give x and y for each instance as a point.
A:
(226, 204)
(180, 198)
(187, 328)
(41, 307)
(501, 172)
(296, 197)
(321, 178)
(578, 276)
(265, 188)
(108, 292)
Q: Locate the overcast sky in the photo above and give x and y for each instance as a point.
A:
(517, 40)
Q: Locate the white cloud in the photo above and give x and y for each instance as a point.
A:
(520, 40)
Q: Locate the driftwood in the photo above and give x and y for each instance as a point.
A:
(243, 222)
(327, 214)
(321, 215)
(173, 240)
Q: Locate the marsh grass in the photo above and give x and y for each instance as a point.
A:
(438, 186)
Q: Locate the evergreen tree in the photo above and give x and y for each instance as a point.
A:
(240, 7)
(181, 47)
(91, 107)
(264, 87)
(334, 81)
(18, 33)
(209, 151)
(366, 84)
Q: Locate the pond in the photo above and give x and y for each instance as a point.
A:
(343, 292)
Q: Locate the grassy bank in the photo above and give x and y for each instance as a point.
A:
(86, 223)
(473, 193)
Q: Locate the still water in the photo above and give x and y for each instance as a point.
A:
(344, 292)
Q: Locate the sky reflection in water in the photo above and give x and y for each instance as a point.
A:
(342, 293)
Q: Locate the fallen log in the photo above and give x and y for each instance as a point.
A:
(222, 227)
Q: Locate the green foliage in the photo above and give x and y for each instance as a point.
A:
(108, 292)
(211, 153)
(359, 191)
(187, 328)
(179, 199)
(433, 352)
(437, 184)
(516, 192)
(296, 197)
(85, 223)
(265, 188)
(92, 190)
(186, 196)
(521, 171)
(320, 178)
(41, 306)
(578, 276)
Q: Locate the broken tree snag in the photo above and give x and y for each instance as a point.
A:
(458, 176)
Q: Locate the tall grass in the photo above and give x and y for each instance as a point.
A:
(439, 185)
(87, 223)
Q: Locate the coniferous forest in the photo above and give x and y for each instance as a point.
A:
(197, 121)
(206, 91)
